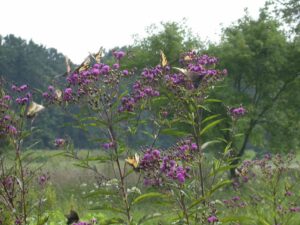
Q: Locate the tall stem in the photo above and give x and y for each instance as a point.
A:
(182, 202)
(121, 174)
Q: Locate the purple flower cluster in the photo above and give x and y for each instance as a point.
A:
(86, 80)
(108, 145)
(237, 112)
(21, 88)
(42, 180)
(158, 167)
(139, 92)
(59, 142)
(152, 74)
(82, 223)
(52, 95)
(7, 124)
(173, 171)
(175, 79)
(185, 150)
(119, 54)
(25, 99)
(295, 209)
(212, 219)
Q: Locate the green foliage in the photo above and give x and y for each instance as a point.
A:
(262, 73)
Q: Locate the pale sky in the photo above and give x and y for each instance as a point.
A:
(77, 27)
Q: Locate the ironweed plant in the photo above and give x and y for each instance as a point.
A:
(176, 102)
(17, 179)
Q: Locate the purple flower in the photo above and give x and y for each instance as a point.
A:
(43, 179)
(6, 98)
(212, 219)
(295, 209)
(96, 71)
(82, 223)
(12, 130)
(51, 88)
(23, 87)
(236, 198)
(105, 69)
(14, 88)
(108, 145)
(181, 177)
(118, 54)
(59, 142)
(7, 117)
(68, 94)
(116, 66)
(125, 72)
(288, 193)
(237, 112)
(46, 95)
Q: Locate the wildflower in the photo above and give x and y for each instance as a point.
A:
(59, 142)
(288, 193)
(125, 72)
(212, 219)
(68, 94)
(12, 130)
(295, 209)
(116, 66)
(118, 54)
(237, 112)
(23, 87)
(6, 98)
(108, 145)
(51, 88)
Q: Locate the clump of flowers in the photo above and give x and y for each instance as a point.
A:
(237, 112)
(159, 166)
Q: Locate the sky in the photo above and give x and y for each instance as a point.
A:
(78, 27)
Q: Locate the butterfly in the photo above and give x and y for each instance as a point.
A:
(97, 56)
(58, 94)
(241, 171)
(72, 217)
(33, 109)
(192, 76)
(134, 161)
(163, 59)
(84, 65)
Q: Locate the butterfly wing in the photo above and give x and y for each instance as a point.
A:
(163, 59)
(133, 161)
(192, 76)
(33, 109)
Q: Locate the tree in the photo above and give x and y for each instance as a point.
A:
(262, 72)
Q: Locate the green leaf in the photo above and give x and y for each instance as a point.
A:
(102, 158)
(211, 125)
(43, 220)
(218, 186)
(114, 220)
(147, 196)
(148, 217)
(123, 116)
(173, 132)
(210, 118)
(206, 144)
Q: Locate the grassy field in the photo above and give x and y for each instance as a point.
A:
(69, 185)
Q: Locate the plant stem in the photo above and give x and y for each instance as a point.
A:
(185, 213)
(121, 174)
